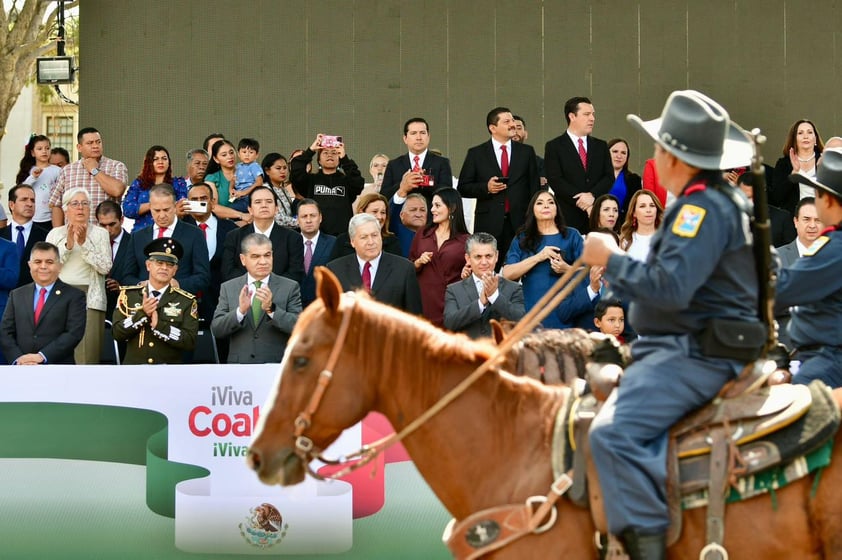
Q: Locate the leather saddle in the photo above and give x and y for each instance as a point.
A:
(748, 428)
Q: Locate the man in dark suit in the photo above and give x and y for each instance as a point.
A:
(287, 249)
(45, 320)
(320, 246)
(257, 310)
(109, 215)
(470, 304)
(502, 175)
(193, 275)
(578, 166)
(419, 170)
(389, 278)
(22, 231)
(214, 231)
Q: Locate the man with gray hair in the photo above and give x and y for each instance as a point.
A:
(471, 303)
(256, 311)
(197, 166)
(388, 278)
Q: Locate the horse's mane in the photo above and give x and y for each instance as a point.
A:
(389, 333)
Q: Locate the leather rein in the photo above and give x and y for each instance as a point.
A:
(304, 446)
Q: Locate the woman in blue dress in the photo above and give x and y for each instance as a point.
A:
(542, 251)
(156, 169)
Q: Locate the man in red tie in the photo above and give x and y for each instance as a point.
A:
(502, 175)
(578, 166)
(388, 278)
(45, 320)
(417, 170)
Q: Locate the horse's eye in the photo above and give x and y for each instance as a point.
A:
(300, 362)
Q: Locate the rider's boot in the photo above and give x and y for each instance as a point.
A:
(644, 547)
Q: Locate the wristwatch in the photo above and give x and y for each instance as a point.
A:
(95, 171)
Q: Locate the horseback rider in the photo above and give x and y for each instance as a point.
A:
(694, 303)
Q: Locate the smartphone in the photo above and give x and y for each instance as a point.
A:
(197, 206)
(330, 141)
(504, 180)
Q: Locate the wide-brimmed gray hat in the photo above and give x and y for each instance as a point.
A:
(698, 131)
(828, 173)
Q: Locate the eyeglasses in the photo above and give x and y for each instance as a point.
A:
(79, 204)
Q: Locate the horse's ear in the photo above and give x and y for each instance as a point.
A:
(497, 332)
(328, 288)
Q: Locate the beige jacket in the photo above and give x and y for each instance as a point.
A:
(96, 254)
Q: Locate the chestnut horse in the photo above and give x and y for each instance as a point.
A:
(491, 446)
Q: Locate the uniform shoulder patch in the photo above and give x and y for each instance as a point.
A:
(689, 220)
(184, 293)
(820, 242)
(132, 287)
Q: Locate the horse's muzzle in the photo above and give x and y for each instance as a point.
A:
(284, 467)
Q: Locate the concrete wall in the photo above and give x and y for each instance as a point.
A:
(171, 71)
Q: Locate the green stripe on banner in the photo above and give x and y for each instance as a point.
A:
(97, 433)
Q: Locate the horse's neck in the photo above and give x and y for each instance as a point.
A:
(490, 444)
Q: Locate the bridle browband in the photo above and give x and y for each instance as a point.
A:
(306, 450)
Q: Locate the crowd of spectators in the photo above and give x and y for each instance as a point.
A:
(250, 235)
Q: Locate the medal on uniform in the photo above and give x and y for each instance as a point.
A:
(172, 309)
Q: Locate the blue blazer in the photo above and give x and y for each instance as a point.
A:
(321, 256)
(8, 275)
(193, 273)
(37, 234)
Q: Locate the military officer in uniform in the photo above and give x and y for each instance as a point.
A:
(699, 281)
(158, 321)
(812, 286)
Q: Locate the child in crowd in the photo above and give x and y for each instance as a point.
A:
(248, 172)
(610, 318)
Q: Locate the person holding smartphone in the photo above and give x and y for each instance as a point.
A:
(335, 185)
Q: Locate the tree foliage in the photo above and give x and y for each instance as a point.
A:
(26, 32)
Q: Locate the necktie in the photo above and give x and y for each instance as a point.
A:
(504, 170)
(367, 276)
(204, 228)
(155, 294)
(161, 232)
(20, 242)
(417, 167)
(308, 256)
(255, 304)
(583, 155)
(42, 297)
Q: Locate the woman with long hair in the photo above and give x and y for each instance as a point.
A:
(276, 175)
(157, 169)
(224, 155)
(36, 171)
(626, 183)
(376, 205)
(801, 152)
(438, 252)
(543, 250)
(605, 214)
(644, 217)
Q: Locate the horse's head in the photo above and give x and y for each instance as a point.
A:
(294, 418)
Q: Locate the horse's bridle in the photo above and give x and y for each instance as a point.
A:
(306, 450)
(304, 446)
